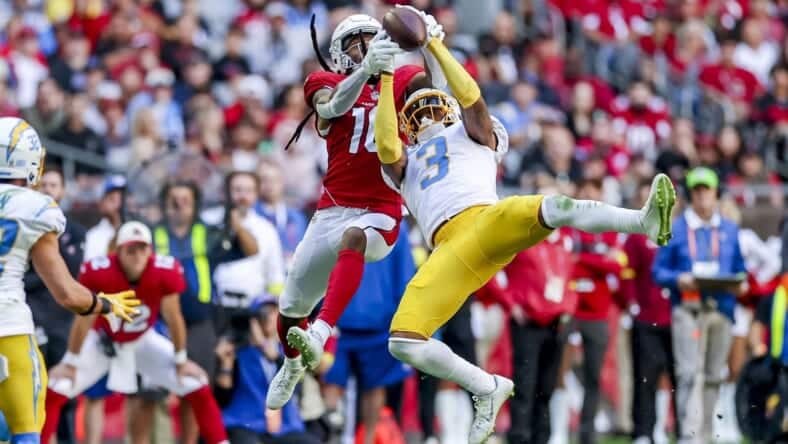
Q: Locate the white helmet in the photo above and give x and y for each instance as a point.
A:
(351, 26)
(21, 153)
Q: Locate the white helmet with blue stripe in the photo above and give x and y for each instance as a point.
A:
(21, 153)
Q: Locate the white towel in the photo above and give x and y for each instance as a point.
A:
(123, 369)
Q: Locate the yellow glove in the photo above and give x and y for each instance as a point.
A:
(120, 304)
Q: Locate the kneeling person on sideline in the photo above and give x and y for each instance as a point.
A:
(138, 348)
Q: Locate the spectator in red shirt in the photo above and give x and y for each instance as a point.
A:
(594, 279)
(540, 306)
(613, 26)
(652, 349)
(727, 82)
(643, 119)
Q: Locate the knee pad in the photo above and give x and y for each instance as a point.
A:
(410, 351)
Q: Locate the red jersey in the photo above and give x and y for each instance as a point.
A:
(539, 277)
(595, 274)
(637, 284)
(162, 276)
(354, 178)
(643, 129)
(736, 83)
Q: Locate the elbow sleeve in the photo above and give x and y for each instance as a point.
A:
(386, 133)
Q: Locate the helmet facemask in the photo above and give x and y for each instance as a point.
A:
(352, 27)
(425, 111)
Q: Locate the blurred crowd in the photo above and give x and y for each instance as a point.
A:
(177, 112)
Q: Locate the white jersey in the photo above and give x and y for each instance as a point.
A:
(449, 173)
(25, 216)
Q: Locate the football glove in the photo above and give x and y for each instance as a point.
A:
(120, 304)
(380, 55)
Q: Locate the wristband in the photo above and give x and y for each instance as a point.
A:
(180, 357)
(106, 306)
(70, 359)
(89, 311)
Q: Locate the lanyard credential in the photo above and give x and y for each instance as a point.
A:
(715, 244)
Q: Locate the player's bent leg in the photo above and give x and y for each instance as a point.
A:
(368, 237)
(596, 217)
(455, 270)
(23, 381)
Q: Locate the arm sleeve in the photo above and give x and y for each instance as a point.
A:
(386, 131)
(345, 95)
(462, 85)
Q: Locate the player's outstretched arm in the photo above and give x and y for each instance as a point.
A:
(476, 116)
(331, 104)
(69, 293)
(386, 131)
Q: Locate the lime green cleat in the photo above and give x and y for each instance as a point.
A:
(658, 209)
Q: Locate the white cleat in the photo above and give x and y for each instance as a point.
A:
(308, 344)
(658, 209)
(486, 407)
(284, 383)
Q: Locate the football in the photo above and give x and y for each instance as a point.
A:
(405, 27)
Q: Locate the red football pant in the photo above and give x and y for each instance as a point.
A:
(343, 283)
(207, 412)
(55, 402)
(208, 415)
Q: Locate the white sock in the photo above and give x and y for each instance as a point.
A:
(590, 215)
(446, 409)
(663, 406)
(437, 359)
(322, 330)
(464, 413)
(559, 417)
(294, 363)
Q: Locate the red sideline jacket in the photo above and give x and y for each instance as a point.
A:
(595, 277)
(637, 285)
(538, 279)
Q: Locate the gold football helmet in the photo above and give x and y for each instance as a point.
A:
(426, 107)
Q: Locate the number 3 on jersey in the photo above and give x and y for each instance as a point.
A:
(435, 154)
(363, 121)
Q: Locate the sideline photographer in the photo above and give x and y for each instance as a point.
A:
(248, 360)
(199, 247)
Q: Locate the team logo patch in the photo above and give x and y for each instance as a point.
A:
(16, 134)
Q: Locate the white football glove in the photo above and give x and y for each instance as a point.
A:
(380, 54)
(434, 29)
